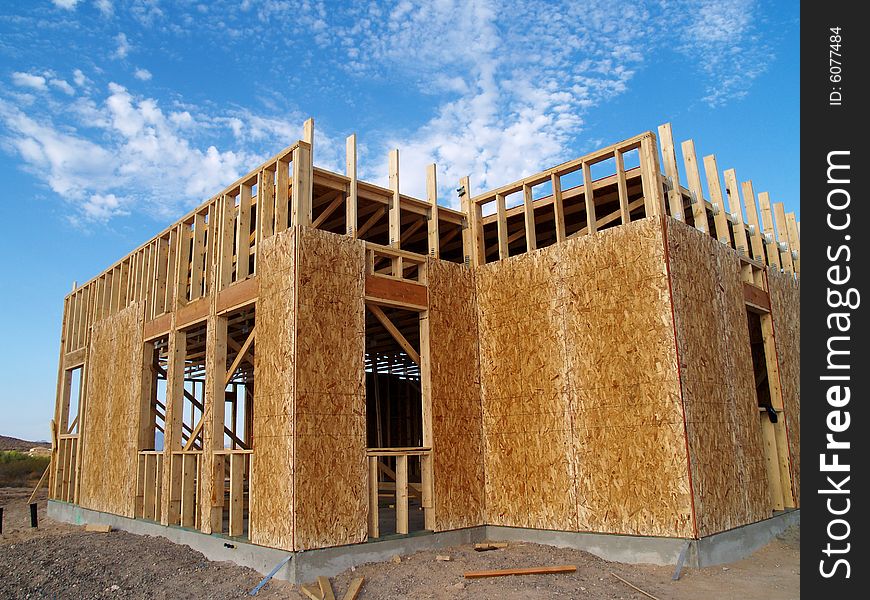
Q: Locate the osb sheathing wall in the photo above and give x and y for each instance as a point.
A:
(109, 444)
(331, 499)
(456, 413)
(271, 485)
(724, 434)
(582, 420)
(785, 307)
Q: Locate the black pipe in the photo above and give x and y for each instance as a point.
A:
(34, 520)
(1, 520)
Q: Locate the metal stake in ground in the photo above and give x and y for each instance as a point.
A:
(1, 520)
(34, 520)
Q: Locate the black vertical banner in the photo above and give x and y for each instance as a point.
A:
(835, 300)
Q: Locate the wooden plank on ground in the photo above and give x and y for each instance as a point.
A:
(311, 591)
(353, 591)
(325, 588)
(520, 571)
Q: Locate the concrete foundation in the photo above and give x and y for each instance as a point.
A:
(724, 547)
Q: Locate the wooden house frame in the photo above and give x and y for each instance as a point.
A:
(309, 360)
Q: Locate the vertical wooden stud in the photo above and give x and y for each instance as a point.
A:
(243, 233)
(589, 196)
(769, 233)
(558, 206)
(699, 209)
(756, 238)
(675, 195)
(402, 494)
(395, 205)
(433, 234)
(785, 255)
(529, 216)
(352, 206)
(719, 218)
(732, 190)
(502, 226)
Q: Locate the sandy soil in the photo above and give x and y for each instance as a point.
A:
(63, 561)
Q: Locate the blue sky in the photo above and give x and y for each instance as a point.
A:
(118, 117)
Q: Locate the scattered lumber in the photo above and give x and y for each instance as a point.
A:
(97, 528)
(322, 590)
(521, 571)
(487, 546)
(353, 591)
(634, 587)
(326, 592)
(442, 557)
(311, 591)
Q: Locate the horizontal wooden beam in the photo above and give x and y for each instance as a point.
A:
(396, 292)
(756, 297)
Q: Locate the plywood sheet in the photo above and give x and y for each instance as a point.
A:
(785, 301)
(110, 431)
(629, 441)
(271, 488)
(724, 435)
(331, 475)
(457, 442)
(526, 411)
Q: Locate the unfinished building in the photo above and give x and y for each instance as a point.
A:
(308, 360)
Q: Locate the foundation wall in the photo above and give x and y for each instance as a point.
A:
(110, 427)
(785, 308)
(582, 420)
(722, 419)
(331, 476)
(456, 412)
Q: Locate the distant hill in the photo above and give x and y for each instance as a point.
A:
(11, 443)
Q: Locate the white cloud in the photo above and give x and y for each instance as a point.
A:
(141, 158)
(65, 4)
(105, 7)
(63, 86)
(518, 80)
(123, 46)
(101, 207)
(28, 80)
(721, 37)
(142, 74)
(79, 78)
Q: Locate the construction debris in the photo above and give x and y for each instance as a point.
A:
(486, 546)
(634, 587)
(322, 590)
(523, 571)
(97, 528)
(442, 557)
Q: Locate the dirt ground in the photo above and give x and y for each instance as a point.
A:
(63, 561)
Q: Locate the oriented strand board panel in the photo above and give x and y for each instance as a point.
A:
(629, 439)
(724, 433)
(526, 411)
(331, 475)
(271, 487)
(582, 421)
(457, 442)
(110, 422)
(785, 305)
